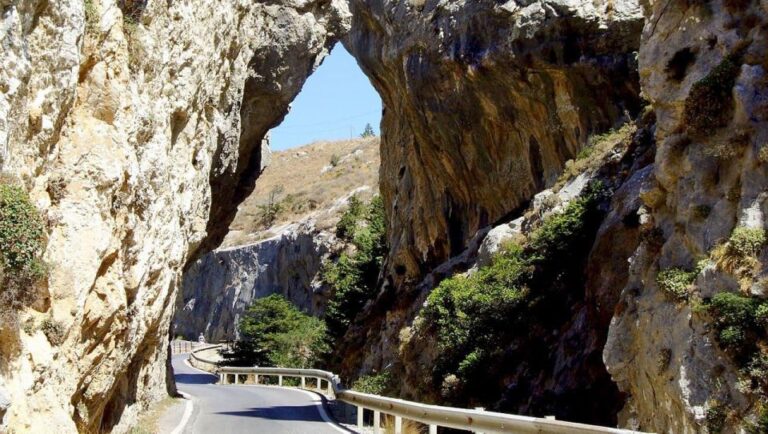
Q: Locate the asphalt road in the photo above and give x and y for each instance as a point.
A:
(248, 409)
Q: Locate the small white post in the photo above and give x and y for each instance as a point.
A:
(221, 378)
(280, 380)
(330, 388)
(376, 422)
(303, 382)
(256, 378)
(433, 429)
(360, 411)
(549, 417)
(398, 425)
(479, 409)
(237, 378)
(319, 384)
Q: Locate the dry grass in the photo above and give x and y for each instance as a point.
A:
(409, 426)
(148, 421)
(592, 156)
(307, 182)
(739, 256)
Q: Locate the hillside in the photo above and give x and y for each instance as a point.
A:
(314, 178)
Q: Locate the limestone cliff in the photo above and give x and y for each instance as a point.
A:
(484, 102)
(703, 67)
(219, 286)
(137, 128)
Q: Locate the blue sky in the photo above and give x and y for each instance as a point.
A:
(336, 101)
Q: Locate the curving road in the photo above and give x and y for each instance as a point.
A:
(249, 409)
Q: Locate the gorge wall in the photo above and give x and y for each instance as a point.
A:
(704, 68)
(136, 127)
(484, 102)
(218, 287)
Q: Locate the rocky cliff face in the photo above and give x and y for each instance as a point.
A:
(484, 102)
(220, 285)
(703, 67)
(137, 128)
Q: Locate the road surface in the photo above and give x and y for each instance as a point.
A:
(249, 409)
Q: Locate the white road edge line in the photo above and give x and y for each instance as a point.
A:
(187, 414)
(315, 398)
(321, 409)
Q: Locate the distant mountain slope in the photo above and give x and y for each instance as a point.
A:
(303, 180)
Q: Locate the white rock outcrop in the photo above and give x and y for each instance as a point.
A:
(148, 118)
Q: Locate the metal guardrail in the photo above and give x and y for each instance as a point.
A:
(432, 415)
(203, 363)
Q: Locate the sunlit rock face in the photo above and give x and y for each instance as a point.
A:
(710, 175)
(137, 128)
(483, 103)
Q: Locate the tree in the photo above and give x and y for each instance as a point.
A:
(368, 131)
(272, 208)
(273, 332)
(354, 276)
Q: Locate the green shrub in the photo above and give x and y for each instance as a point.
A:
(22, 241)
(676, 282)
(347, 225)
(734, 318)
(468, 312)
(274, 332)
(335, 160)
(760, 425)
(709, 105)
(53, 330)
(375, 384)
(761, 314)
(91, 16)
(746, 241)
(715, 417)
(559, 233)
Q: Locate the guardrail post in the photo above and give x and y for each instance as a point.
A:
(303, 382)
(318, 384)
(237, 379)
(433, 429)
(376, 422)
(256, 378)
(479, 409)
(360, 413)
(280, 380)
(398, 425)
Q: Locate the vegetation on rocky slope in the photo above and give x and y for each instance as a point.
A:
(22, 240)
(491, 319)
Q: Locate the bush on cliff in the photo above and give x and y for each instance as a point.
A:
(353, 276)
(273, 332)
(22, 240)
(478, 317)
